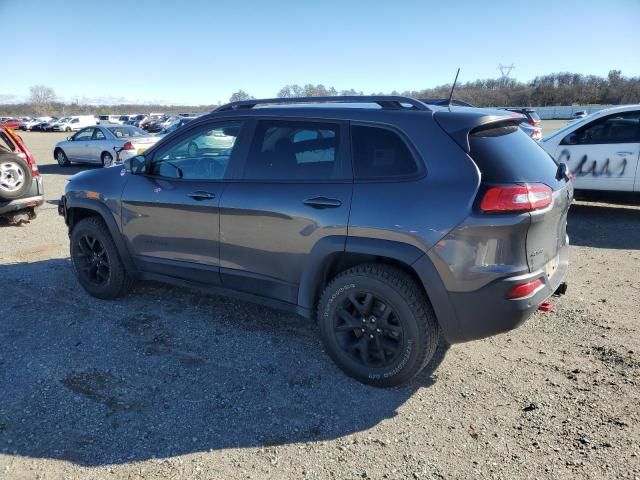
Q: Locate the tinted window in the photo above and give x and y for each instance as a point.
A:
(283, 150)
(202, 154)
(85, 134)
(617, 128)
(98, 135)
(380, 153)
(505, 154)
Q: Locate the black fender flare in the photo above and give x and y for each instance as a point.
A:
(416, 259)
(328, 247)
(107, 216)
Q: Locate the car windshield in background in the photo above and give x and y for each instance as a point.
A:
(128, 132)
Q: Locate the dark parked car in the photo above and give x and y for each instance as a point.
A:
(21, 189)
(390, 224)
(533, 118)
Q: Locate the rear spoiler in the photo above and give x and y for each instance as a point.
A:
(460, 122)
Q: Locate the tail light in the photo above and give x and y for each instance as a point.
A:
(127, 146)
(516, 198)
(524, 289)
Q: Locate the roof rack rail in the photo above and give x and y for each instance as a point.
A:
(394, 102)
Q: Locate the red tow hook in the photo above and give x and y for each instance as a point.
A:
(545, 307)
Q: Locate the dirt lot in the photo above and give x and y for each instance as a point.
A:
(168, 383)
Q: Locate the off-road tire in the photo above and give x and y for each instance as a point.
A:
(410, 307)
(118, 281)
(15, 176)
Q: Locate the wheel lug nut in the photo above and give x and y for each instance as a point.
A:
(371, 336)
(378, 330)
(362, 330)
(364, 320)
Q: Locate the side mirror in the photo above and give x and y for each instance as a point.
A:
(136, 165)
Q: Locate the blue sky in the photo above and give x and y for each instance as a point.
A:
(199, 51)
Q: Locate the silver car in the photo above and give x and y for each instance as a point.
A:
(103, 144)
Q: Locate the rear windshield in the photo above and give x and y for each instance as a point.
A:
(505, 154)
(128, 132)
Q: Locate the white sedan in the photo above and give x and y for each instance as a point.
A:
(601, 150)
(103, 144)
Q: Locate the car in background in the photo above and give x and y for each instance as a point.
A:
(74, 123)
(38, 127)
(103, 145)
(47, 126)
(21, 188)
(534, 132)
(28, 123)
(531, 115)
(159, 124)
(9, 122)
(59, 126)
(602, 150)
(135, 120)
(109, 120)
(182, 121)
(579, 114)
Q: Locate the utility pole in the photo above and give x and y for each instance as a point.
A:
(505, 71)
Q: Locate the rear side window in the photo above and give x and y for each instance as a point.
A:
(291, 150)
(617, 128)
(505, 154)
(535, 116)
(379, 153)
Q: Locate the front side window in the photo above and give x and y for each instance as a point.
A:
(202, 154)
(85, 134)
(379, 153)
(290, 150)
(617, 128)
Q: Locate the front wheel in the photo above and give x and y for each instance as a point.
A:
(377, 325)
(61, 158)
(96, 261)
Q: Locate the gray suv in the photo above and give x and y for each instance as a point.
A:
(389, 221)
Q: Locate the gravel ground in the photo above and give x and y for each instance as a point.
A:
(169, 383)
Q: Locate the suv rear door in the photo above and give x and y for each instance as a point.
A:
(170, 216)
(294, 189)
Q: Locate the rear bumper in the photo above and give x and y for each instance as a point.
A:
(465, 316)
(32, 199)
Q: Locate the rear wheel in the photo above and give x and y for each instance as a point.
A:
(377, 325)
(106, 158)
(96, 261)
(61, 158)
(15, 177)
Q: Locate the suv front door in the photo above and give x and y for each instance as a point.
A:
(604, 154)
(170, 215)
(294, 190)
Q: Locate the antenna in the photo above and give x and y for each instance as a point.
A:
(452, 87)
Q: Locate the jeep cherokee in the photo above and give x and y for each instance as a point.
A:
(389, 221)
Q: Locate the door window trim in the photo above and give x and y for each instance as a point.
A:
(343, 153)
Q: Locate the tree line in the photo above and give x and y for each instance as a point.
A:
(546, 90)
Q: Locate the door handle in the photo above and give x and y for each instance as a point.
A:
(624, 154)
(322, 202)
(201, 195)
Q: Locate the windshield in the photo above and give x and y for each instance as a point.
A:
(128, 132)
